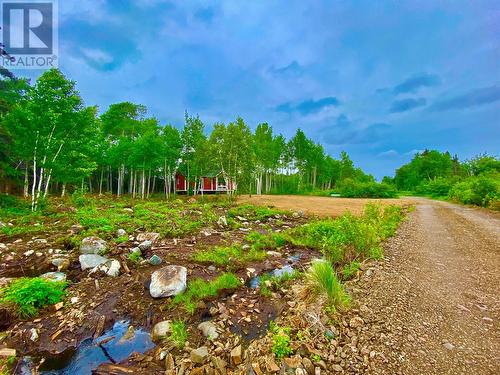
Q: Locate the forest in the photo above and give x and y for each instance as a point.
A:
(53, 144)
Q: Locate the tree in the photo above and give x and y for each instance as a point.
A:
(172, 149)
(194, 150)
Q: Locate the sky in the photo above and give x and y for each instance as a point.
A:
(378, 79)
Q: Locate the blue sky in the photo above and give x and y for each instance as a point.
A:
(379, 79)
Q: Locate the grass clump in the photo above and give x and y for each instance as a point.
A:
(226, 255)
(281, 340)
(322, 280)
(135, 257)
(200, 289)
(261, 241)
(178, 334)
(31, 294)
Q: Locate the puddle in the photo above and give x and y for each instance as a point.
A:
(254, 282)
(112, 347)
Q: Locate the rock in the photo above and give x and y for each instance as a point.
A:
(121, 232)
(337, 368)
(29, 253)
(93, 245)
(160, 330)
(57, 261)
(148, 236)
(168, 281)
(199, 355)
(128, 209)
(74, 300)
(145, 245)
(7, 352)
(91, 261)
(34, 334)
(54, 276)
(222, 221)
(449, 346)
(212, 268)
(58, 306)
(308, 365)
(236, 355)
(219, 364)
(113, 268)
(136, 250)
(75, 229)
(129, 335)
(155, 260)
(356, 322)
(209, 330)
(293, 362)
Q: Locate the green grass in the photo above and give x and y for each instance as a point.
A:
(178, 334)
(251, 212)
(322, 280)
(31, 294)
(268, 283)
(135, 257)
(350, 270)
(261, 241)
(281, 341)
(227, 255)
(200, 289)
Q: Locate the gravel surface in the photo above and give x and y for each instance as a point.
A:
(432, 307)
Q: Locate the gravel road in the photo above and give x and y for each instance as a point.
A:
(432, 307)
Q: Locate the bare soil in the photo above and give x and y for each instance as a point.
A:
(320, 206)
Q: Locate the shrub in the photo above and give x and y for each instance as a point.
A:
(31, 294)
(178, 334)
(479, 191)
(439, 187)
(349, 188)
(322, 280)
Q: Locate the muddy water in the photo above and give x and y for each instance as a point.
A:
(113, 346)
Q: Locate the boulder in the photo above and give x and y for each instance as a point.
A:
(160, 330)
(93, 245)
(91, 261)
(209, 330)
(148, 236)
(199, 355)
(145, 245)
(168, 281)
(54, 276)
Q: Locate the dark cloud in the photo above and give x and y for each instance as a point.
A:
(473, 98)
(412, 84)
(406, 104)
(308, 107)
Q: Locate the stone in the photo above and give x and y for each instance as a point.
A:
(129, 335)
(54, 276)
(74, 300)
(308, 365)
(222, 221)
(29, 253)
(209, 330)
(168, 281)
(449, 346)
(58, 306)
(155, 260)
(113, 268)
(121, 232)
(93, 245)
(356, 322)
(75, 229)
(148, 236)
(219, 364)
(236, 355)
(128, 209)
(199, 355)
(337, 368)
(91, 261)
(136, 250)
(34, 334)
(212, 268)
(161, 330)
(57, 261)
(145, 245)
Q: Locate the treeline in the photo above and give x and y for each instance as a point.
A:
(53, 143)
(438, 174)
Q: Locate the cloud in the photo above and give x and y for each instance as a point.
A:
(345, 131)
(414, 83)
(473, 98)
(308, 107)
(406, 105)
(294, 69)
(388, 153)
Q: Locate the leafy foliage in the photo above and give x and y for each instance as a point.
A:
(349, 188)
(281, 341)
(178, 334)
(31, 294)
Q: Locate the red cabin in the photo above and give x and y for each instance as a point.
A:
(210, 183)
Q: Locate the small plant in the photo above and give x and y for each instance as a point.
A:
(31, 294)
(350, 270)
(226, 255)
(323, 280)
(316, 357)
(281, 341)
(135, 257)
(178, 335)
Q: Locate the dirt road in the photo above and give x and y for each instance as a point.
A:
(321, 206)
(433, 305)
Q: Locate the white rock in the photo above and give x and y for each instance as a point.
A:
(161, 330)
(222, 221)
(34, 334)
(148, 236)
(29, 253)
(113, 268)
(93, 245)
(74, 300)
(54, 276)
(121, 232)
(91, 261)
(145, 245)
(209, 330)
(168, 281)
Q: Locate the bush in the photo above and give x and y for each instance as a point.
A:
(349, 188)
(479, 191)
(439, 187)
(31, 294)
(322, 280)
